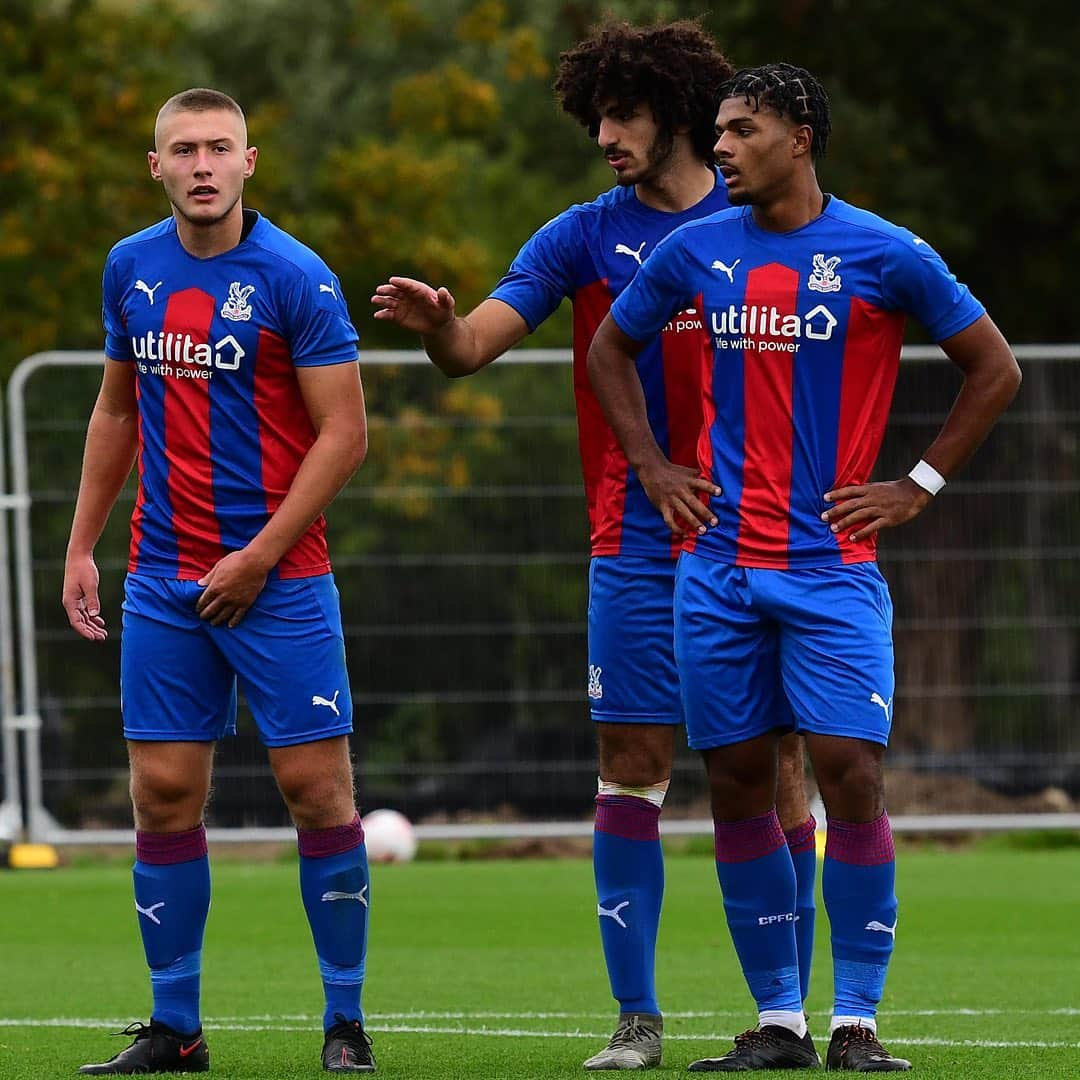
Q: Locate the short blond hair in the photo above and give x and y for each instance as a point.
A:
(199, 99)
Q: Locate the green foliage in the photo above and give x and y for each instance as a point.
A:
(79, 86)
(420, 137)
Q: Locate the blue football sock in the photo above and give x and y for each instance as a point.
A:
(172, 898)
(801, 843)
(628, 864)
(758, 882)
(334, 884)
(859, 887)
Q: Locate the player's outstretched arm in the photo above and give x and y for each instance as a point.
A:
(457, 346)
(991, 380)
(112, 438)
(334, 398)
(674, 490)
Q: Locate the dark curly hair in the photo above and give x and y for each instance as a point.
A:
(791, 91)
(675, 68)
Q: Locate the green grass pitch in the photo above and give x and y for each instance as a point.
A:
(493, 969)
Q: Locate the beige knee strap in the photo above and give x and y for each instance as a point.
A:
(654, 793)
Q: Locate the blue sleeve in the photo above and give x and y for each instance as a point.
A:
(543, 272)
(317, 323)
(117, 343)
(915, 279)
(659, 289)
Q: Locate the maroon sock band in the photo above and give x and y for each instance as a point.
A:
(163, 848)
(741, 841)
(801, 838)
(861, 843)
(627, 816)
(322, 843)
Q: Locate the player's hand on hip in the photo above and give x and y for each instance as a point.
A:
(414, 305)
(230, 587)
(80, 598)
(677, 492)
(865, 509)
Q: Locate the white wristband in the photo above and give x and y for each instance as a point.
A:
(927, 477)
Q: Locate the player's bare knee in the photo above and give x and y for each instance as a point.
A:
(733, 800)
(853, 789)
(737, 793)
(324, 811)
(742, 779)
(316, 800)
(635, 770)
(635, 755)
(165, 800)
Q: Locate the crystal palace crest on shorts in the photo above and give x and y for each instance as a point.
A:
(596, 689)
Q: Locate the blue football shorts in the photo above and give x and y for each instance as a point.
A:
(179, 674)
(632, 677)
(804, 650)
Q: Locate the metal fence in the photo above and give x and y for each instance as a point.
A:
(460, 550)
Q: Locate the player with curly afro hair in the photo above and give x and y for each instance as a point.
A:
(675, 69)
(648, 96)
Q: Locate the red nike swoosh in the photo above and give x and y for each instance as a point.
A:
(186, 1050)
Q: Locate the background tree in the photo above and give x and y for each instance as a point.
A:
(421, 137)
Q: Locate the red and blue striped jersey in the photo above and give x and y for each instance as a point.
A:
(222, 425)
(590, 253)
(805, 331)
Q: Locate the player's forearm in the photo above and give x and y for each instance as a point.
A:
(618, 388)
(111, 445)
(454, 349)
(333, 458)
(985, 394)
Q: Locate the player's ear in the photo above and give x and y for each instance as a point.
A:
(152, 159)
(250, 154)
(802, 140)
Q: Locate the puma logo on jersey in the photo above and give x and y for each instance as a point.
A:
(330, 704)
(149, 912)
(327, 897)
(329, 289)
(881, 927)
(877, 699)
(729, 270)
(622, 249)
(143, 287)
(613, 913)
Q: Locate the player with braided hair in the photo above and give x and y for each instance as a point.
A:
(648, 97)
(790, 91)
(778, 599)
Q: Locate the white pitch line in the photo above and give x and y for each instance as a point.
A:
(525, 1033)
(696, 1015)
(987, 1044)
(430, 1014)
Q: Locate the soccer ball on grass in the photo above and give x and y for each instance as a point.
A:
(389, 836)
